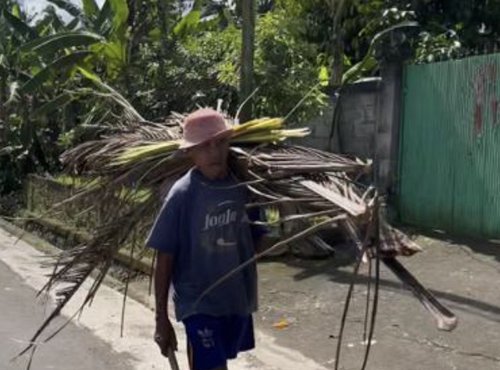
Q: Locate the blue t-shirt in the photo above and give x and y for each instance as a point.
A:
(203, 224)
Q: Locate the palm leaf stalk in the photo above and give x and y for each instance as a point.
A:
(130, 172)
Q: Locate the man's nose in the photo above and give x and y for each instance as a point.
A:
(213, 148)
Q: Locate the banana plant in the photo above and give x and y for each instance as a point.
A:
(100, 39)
(17, 143)
(103, 30)
(38, 65)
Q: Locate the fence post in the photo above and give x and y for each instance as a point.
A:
(388, 127)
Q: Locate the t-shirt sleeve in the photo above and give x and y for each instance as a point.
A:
(164, 236)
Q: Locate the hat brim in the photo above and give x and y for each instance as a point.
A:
(184, 144)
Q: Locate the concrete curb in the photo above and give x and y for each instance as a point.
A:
(35, 241)
(58, 228)
(49, 249)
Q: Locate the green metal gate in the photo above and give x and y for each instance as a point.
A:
(449, 174)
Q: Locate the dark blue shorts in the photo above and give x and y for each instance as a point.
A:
(216, 339)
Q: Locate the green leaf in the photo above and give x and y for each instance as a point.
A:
(72, 25)
(120, 14)
(3, 63)
(57, 103)
(19, 26)
(104, 16)
(45, 25)
(323, 76)
(347, 62)
(52, 20)
(392, 28)
(115, 55)
(359, 69)
(16, 11)
(68, 6)
(70, 60)
(369, 62)
(114, 51)
(187, 23)
(90, 75)
(90, 8)
(13, 93)
(52, 43)
(155, 34)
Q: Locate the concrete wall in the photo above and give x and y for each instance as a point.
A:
(358, 119)
(388, 128)
(320, 130)
(368, 125)
(356, 128)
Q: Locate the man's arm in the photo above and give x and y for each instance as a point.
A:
(164, 334)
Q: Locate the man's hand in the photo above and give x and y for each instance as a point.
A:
(165, 336)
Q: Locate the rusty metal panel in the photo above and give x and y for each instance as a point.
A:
(449, 174)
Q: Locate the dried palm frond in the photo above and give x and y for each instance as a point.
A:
(134, 168)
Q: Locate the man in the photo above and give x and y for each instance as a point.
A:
(202, 233)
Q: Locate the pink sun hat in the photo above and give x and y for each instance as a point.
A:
(203, 125)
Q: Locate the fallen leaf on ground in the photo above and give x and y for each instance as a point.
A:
(282, 324)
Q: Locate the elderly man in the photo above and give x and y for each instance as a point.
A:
(201, 233)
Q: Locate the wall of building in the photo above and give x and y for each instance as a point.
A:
(355, 133)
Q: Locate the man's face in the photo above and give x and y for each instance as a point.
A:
(211, 157)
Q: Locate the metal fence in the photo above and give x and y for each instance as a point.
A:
(449, 174)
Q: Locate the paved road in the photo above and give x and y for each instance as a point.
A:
(464, 275)
(75, 348)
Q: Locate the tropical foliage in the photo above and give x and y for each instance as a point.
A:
(172, 56)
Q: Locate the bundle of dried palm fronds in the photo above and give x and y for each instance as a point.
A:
(312, 188)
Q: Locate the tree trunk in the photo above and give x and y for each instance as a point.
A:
(160, 91)
(3, 94)
(337, 9)
(162, 22)
(247, 56)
